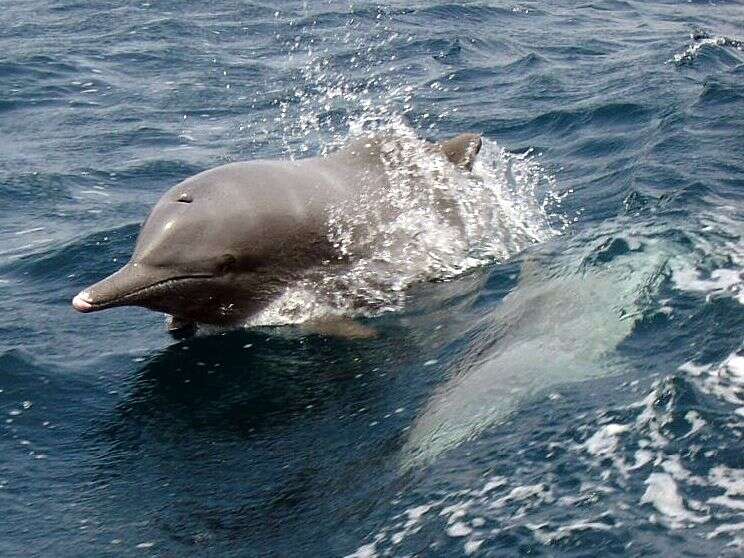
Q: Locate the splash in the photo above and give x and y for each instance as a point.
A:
(433, 222)
(702, 39)
(717, 268)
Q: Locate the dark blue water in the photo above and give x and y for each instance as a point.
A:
(582, 397)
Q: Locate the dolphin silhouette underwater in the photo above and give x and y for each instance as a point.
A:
(221, 245)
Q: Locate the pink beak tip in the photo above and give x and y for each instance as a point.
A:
(81, 302)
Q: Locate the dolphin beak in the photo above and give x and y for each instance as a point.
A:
(111, 291)
(82, 303)
(132, 285)
(122, 288)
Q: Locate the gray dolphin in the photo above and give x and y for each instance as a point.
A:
(221, 245)
(561, 324)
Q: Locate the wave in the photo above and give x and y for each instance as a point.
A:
(638, 466)
(701, 40)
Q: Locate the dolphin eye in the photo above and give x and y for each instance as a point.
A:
(227, 263)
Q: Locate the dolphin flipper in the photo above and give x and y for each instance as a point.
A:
(179, 328)
(461, 150)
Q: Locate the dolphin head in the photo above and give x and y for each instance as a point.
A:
(203, 255)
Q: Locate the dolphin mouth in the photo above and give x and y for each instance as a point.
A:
(84, 302)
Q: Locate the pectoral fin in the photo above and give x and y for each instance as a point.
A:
(179, 328)
(462, 150)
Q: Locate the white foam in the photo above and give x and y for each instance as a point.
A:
(725, 380)
(459, 529)
(691, 52)
(696, 422)
(472, 546)
(521, 493)
(732, 481)
(364, 551)
(726, 529)
(718, 268)
(721, 281)
(608, 466)
(546, 536)
(642, 457)
(491, 214)
(604, 441)
(663, 494)
(494, 482)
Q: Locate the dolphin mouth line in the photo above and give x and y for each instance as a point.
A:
(100, 305)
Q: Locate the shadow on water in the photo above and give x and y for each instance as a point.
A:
(228, 433)
(238, 383)
(241, 383)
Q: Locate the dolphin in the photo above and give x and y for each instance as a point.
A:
(561, 324)
(221, 245)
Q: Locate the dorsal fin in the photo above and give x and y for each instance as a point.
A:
(462, 149)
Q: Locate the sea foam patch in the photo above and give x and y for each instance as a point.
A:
(640, 463)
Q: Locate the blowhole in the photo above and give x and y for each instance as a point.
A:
(185, 198)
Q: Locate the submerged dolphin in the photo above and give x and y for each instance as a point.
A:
(559, 325)
(221, 245)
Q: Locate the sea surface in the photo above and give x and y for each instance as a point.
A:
(563, 378)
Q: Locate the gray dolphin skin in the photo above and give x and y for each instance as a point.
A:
(579, 317)
(221, 245)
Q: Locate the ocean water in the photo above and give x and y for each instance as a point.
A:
(563, 375)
